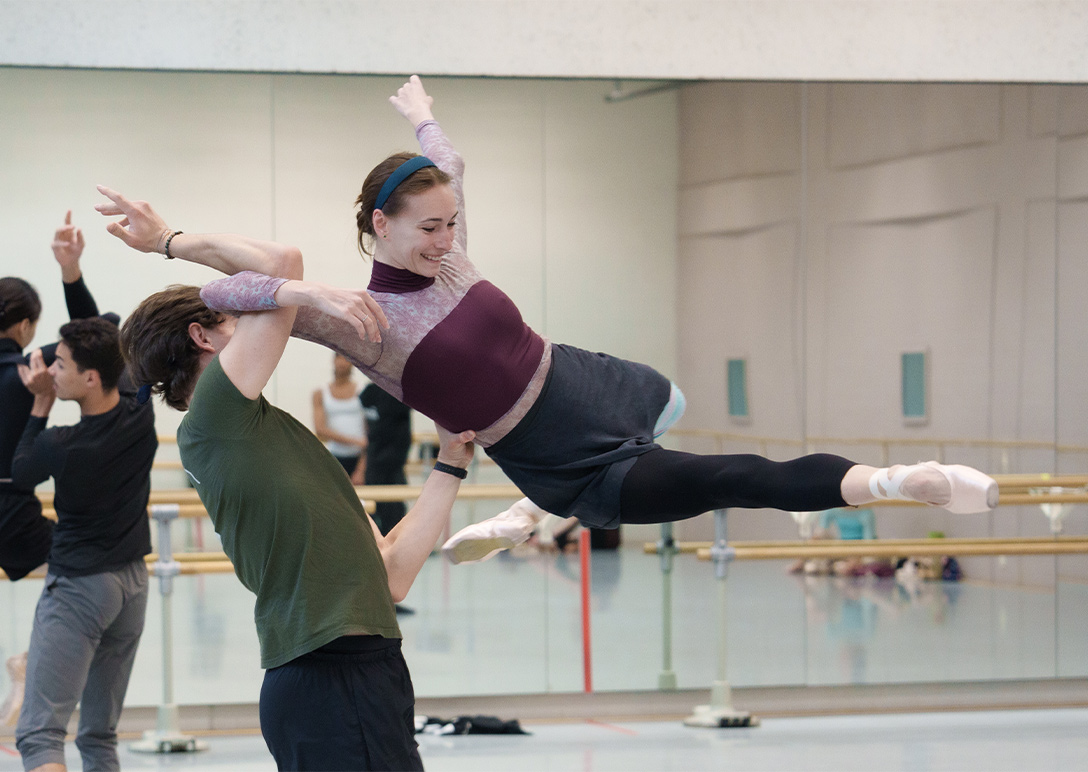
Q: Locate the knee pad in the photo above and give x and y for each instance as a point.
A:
(673, 411)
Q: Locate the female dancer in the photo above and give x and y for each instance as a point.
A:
(572, 429)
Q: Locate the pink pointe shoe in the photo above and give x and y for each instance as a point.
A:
(480, 541)
(972, 491)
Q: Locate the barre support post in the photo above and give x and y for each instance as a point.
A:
(720, 713)
(666, 548)
(166, 737)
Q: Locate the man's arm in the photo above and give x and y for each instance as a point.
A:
(36, 456)
(144, 230)
(405, 548)
(258, 341)
(67, 249)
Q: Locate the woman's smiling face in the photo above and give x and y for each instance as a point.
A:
(419, 236)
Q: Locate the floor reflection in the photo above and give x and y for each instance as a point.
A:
(513, 625)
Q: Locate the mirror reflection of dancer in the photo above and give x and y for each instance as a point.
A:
(389, 438)
(25, 535)
(336, 693)
(90, 615)
(574, 430)
(338, 419)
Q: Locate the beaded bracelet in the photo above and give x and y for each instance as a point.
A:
(166, 251)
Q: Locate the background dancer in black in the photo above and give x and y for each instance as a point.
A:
(90, 615)
(25, 536)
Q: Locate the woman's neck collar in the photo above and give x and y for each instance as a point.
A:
(386, 277)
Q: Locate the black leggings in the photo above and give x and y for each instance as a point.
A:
(667, 485)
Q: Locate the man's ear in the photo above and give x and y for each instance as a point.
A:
(199, 336)
(92, 378)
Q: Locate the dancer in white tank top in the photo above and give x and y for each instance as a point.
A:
(338, 419)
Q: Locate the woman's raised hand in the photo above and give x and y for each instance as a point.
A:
(412, 101)
(140, 226)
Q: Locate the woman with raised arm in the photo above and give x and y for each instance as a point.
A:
(574, 430)
(336, 693)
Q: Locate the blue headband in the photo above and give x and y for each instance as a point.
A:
(401, 173)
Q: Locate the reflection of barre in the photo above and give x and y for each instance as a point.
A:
(411, 467)
(891, 547)
(369, 492)
(880, 548)
(184, 511)
(467, 492)
(205, 567)
(188, 563)
(878, 441)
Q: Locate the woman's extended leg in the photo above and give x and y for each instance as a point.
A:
(667, 485)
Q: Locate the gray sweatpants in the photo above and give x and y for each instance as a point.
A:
(83, 644)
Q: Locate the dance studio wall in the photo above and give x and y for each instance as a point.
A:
(827, 228)
(570, 200)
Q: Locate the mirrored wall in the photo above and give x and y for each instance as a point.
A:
(821, 234)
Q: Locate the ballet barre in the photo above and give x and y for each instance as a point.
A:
(190, 506)
(882, 548)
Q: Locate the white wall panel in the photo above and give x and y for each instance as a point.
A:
(896, 288)
(881, 121)
(739, 130)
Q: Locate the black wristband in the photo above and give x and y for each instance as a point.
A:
(456, 471)
(166, 250)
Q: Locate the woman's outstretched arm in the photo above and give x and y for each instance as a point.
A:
(414, 103)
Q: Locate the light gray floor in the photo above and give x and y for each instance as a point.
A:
(993, 741)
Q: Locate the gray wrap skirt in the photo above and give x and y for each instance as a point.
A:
(594, 417)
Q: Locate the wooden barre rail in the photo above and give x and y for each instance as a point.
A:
(927, 547)
(381, 493)
(411, 467)
(190, 506)
(191, 563)
(1009, 484)
(720, 436)
(905, 546)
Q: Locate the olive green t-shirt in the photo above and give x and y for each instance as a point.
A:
(289, 520)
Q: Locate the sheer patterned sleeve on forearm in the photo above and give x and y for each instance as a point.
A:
(244, 291)
(436, 145)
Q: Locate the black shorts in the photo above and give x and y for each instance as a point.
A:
(594, 417)
(25, 536)
(346, 706)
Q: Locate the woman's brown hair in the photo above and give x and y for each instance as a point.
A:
(418, 182)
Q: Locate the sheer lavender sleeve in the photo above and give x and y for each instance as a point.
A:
(252, 291)
(436, 145)
(244, 291)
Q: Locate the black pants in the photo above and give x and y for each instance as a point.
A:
(667, 485)
(25, 536)
(346, 706)
(388, 513)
